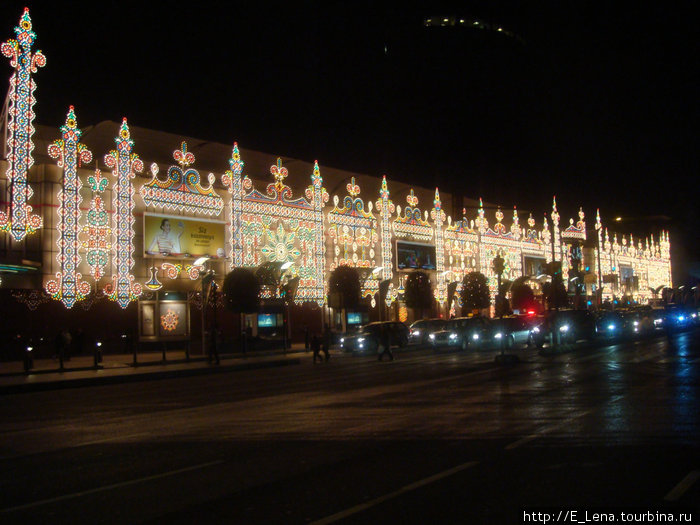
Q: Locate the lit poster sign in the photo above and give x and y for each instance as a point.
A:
(177, 236)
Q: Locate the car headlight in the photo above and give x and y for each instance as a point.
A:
(453, 336)
(658, 321)
(499, 335)
(611, 327)
(681, 318)
(694, 316)
(361, 340)
(636, 323)
(432, 336)
(536, 330)
(564, 328)
(415, 332)
(475, 336)
(342, 340)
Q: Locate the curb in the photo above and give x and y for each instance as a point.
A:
(78, 382)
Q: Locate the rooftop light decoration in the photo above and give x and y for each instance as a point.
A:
(123, 289)
(19, 219)
(439, 218)
(69, 152)
(182, 190)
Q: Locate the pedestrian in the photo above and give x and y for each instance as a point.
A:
(327, 342)
(385, 342)
(316, 348)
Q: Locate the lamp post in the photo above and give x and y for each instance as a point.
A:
(206, 278)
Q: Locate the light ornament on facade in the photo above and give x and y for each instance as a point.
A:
(439, 217)
(182, 190)
(412, 224)
(169, 320)
(97, 233)
(461, 243)
(386, 209)
(123, 289)
(232, 180)
(171, 270)
(153, 283)
(353, 231)
(194, 271)
(19, 220)
(69, 152)
(260, 217)
(500, 241)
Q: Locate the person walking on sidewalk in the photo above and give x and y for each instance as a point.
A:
(386, 345)
(316, 348)
(327, 343)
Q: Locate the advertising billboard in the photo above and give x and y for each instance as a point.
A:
(415, 256)
(177, 236)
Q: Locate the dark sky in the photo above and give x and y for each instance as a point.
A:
(595, 102)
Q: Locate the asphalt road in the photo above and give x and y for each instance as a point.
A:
(432, 437)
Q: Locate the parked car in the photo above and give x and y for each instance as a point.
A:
(571, 325)
(368, 338)
(420, 330)
(512, 331)
(611, 325)
(462, 332)
(678, 318)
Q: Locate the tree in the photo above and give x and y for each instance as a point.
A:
(522, 297)
(344, 289)
(475, 292)
(418, 292)
(241, 291)
(556, 294)
(242, 294)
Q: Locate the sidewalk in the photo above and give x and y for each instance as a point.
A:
(119, 368)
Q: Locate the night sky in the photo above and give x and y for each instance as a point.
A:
(593, 102)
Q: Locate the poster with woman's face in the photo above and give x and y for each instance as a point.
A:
(176, 236)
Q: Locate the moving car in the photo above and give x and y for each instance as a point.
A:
(420, 330)
(462, 332)
(612, 325)
(570, 325)
(368, 338)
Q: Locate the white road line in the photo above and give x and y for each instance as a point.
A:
(110, 487)
(546, 430)
(364, 506)
(677, 492)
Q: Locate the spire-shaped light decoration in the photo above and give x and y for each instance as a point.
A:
(124, 163)
(69, 152)
(21, 221)
(481, 222)
(386, 208)
(515, 227)
(97, 232)
(317, 196)
(232, 180)
(439, 217)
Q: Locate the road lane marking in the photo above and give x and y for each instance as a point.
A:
(677, 492)
(364, 506)
(110, 487)
(546, 430)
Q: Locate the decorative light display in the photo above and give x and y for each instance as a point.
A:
(20, 220)
(411, 223)
(232, 180)
(499, 241)
(32, 299)
(169, 320)
(171, 270)
(193, 272)
(181, 190)
(439, 217)
(353, 231)
(97, 233)
(278, 227)
(68, 286)
(386, 209)
(153, 283)
(124, 163)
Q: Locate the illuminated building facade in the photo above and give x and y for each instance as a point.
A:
(138, 237)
